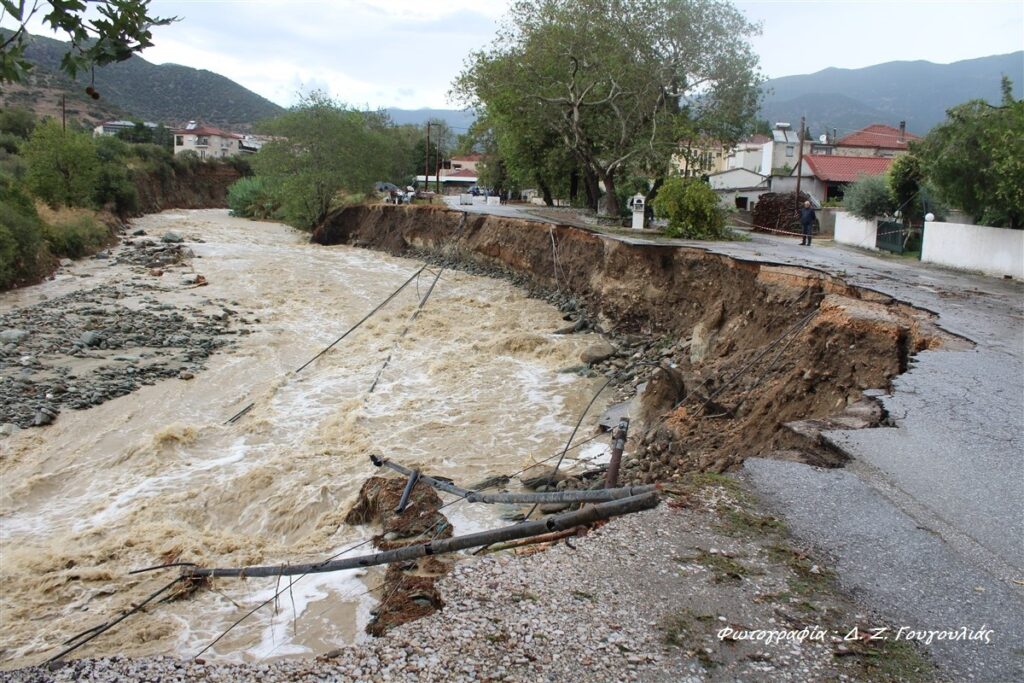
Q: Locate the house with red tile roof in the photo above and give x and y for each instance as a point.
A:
(825, 177)
(878, 140)
(210, 142)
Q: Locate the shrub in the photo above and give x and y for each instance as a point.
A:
(73, 232)
(21, 242)
(62, 165)
(253, 197)
(691, 208)
(869, 197)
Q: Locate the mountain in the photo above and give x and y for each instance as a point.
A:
(916, 92)
(458, 119)
(164, 93)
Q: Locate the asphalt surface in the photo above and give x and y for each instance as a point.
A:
(926, 524)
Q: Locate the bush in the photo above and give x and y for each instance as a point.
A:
(253, 198)
(692, 209)
(62, 165)
(74, 233)
(869, 197)
(21, 242)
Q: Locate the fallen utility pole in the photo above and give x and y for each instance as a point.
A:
(574, 496)
(561, 522)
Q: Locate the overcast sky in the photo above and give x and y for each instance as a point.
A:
(404, 53)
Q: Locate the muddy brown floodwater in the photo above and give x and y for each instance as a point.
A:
(156, 475)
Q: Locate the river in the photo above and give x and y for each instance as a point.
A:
(472, 390)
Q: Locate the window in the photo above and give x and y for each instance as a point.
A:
(789, 150)
(741, 203)
(203, 141)
(179, 140)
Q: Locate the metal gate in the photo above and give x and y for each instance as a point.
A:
(890, 236)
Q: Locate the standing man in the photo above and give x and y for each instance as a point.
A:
(807, 223)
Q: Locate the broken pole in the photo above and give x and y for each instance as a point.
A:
(618, 445)
(568, 496)
(414, 477)
(561, 522)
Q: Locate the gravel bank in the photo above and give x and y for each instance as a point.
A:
(640, 599)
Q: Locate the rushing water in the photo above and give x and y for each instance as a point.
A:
(472, 390)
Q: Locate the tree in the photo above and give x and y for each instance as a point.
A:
(976, 159)
(121, 29)
(869, 197)
(691, 207)
(611, 77)
(322, 148)
(62, 165)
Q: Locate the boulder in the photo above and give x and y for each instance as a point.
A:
(664, 389)
(91, 338)
(172, 237)
(540, 475)
(597, 353)
(12, 336)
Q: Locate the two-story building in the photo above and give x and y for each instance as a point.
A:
(209, 142)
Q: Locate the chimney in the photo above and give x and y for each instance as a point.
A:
(903, 130)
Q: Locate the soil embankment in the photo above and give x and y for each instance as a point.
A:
(203, 186)
(762, 357)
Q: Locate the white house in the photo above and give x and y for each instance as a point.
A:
(115, 127)
(739, 187)
(210, 143)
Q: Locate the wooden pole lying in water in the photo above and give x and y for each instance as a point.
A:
(561, 522)
(574, 496)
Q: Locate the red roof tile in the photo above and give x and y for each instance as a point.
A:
(845, 169)
(461, 173)
(877, 135)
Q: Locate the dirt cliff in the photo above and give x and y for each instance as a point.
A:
(770, 355)
(203, 186)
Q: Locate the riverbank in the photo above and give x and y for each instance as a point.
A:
(160, 474)
(704, 588)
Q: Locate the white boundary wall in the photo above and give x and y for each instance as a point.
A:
(993, 251)
(855, 231)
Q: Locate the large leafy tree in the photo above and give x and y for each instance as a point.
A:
(322, 148)
(115, 31)
(62, 165)
(612, 78)
(976, 159)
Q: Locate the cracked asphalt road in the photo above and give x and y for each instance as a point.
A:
(926, 524)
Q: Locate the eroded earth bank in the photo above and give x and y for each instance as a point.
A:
(720, 359)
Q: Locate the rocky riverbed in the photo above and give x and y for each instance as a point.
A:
(100, 341)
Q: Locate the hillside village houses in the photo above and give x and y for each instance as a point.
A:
(770, 164)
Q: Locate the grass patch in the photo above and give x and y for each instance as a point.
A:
(897, 661)
(725, 568)
(694, 482)
(809, 576)
(738, 521)
(73, 233)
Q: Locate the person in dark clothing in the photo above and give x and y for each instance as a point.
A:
(807, 223)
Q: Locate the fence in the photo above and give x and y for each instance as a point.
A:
(993, 251)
